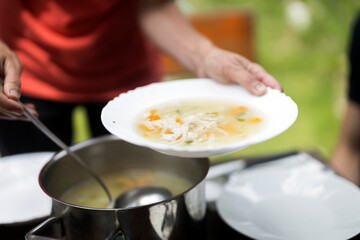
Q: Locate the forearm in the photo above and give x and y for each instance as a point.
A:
(345, 162)
(351, 127)
(346, 157)
(164, 25)
(170, 31)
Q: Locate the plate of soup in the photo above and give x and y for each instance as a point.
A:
(197, 117)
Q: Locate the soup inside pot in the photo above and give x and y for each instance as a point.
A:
(88, 193)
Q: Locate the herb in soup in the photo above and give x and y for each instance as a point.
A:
(199, 123)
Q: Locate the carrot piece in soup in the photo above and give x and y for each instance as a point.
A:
(255, 120)
(178, 121)
(142, 126)
(168, 131)
(229, 128)
(237, 110)
(143, 180)
(154, 117)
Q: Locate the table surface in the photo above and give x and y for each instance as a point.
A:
(216, 228)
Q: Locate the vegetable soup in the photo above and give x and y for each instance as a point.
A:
(88, 193)
(199, 123)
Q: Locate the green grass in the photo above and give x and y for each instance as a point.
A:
(311, 65)
(81, 125)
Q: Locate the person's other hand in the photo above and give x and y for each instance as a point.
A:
(230, 68)
(10, 70)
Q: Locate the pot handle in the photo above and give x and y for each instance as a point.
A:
(46, 229)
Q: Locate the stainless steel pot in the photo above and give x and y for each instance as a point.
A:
(179, 217)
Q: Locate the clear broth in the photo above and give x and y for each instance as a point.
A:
(234, 122)
(89, 194)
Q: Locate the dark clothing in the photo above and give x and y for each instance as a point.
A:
(354, 58)
(21, 137)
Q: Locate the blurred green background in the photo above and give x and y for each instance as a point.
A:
(303, 44)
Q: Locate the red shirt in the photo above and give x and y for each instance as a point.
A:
(78, 50)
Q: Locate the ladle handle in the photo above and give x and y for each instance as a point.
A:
(44, 129)
(63, 146)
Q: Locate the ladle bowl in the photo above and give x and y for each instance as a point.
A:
(141, 196)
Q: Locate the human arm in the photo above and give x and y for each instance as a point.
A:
(10, 70)
(165, 26)
(346, 158)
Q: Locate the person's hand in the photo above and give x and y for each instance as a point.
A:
(230, 68)
(164, 24)
(10, 70)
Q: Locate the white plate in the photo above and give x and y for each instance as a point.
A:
(119, 115)
(298, 203)
(21, 198)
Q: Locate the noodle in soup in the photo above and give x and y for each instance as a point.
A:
(199, 123)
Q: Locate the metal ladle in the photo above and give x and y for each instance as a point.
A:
(134, 197)
(142, 195)
(63, 146)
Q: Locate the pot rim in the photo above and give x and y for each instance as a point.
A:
(109, 138)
